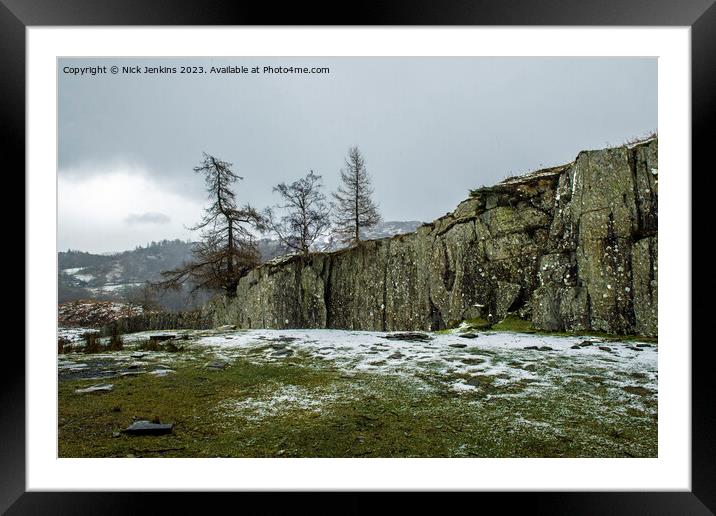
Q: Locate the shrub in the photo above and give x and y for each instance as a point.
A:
(149, 345)
(115, 340)
(92, 343)
(164, 345)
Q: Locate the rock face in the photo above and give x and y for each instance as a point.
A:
(570, 248)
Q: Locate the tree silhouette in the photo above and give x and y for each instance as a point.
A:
(302, 216)
(353, 206)
(227, 249)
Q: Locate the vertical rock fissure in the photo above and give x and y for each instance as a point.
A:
(327, 278)
(632, 160)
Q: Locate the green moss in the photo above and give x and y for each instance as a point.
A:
(514, 323)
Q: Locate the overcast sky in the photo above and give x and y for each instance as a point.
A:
(430, 129)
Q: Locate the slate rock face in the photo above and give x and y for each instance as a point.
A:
(570, 248)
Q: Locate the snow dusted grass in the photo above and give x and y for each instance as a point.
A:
(501, 356)
(276, 400)
(332, 393)
(74, 334)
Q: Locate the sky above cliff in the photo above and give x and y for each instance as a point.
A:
(430, 129)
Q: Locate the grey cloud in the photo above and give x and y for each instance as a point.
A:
(147, 218)
(429, 128)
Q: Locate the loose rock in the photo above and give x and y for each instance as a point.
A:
(161, 337)
(147, 428)
(162, 372)
(218, 365)
(100, 387)
(409, 336)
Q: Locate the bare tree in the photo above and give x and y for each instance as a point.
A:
(353, 206)
(144, 295)
(302, 216)
(227, 249)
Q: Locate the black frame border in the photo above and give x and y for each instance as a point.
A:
(699, 15)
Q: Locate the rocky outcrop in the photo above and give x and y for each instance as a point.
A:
(571, 248)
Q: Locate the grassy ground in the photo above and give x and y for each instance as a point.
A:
(303, 407)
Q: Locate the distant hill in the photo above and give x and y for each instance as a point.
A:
(121, 276)
(384, 229)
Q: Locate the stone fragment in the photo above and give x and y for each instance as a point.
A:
(161, 337)
(162, 372)
(217, 365)
(144, 427)
(100, 387)
(281, 353)
(409, 336)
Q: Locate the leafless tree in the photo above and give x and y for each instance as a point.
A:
(144, 295)
(301, 216)
(227, 249)
(353, 206)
